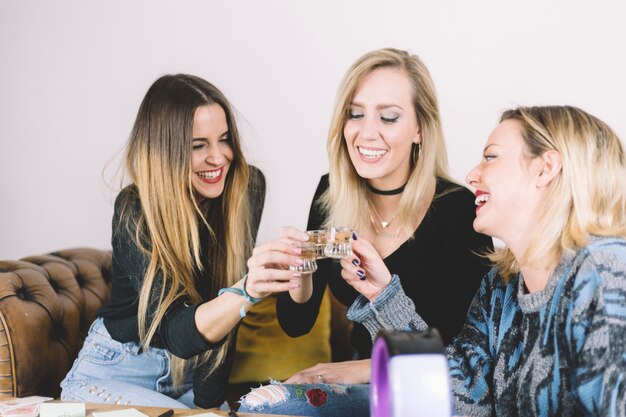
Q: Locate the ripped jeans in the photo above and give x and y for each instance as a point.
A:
(308, 400)
(110, 372)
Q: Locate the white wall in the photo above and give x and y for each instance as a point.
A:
(72, 74)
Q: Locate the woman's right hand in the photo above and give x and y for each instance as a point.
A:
(268, 272)
(268, 267)
(348, 372)
(365, 270)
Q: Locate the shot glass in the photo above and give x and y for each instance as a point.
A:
(308, 254)
(338, 242)
(318, 237)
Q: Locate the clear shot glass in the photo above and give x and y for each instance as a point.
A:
(308, 254)
(318, 237)
(338, 242)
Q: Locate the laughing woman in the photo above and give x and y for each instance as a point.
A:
(388, 179)
(546, 332)
(182, 230)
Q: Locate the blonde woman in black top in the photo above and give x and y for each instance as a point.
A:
(389, 181)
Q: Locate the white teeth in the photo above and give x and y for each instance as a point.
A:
(370, 153)
(483, 198)
(210, 175)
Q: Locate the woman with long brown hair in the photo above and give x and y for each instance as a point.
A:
(182, 232)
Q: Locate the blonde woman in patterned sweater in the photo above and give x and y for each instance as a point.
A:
(546, 332)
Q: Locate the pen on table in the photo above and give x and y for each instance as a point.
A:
(168, 413)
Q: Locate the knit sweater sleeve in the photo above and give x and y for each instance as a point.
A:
(468, 355)
(596, 332)
(392, 310)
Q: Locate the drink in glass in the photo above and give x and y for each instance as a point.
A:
(318, 237)
(308, 254)
(338, 242)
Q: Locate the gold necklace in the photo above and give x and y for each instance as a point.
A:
(384, 225)
(383, 233)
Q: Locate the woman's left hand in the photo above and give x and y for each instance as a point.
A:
(349, 372)
(365, 270)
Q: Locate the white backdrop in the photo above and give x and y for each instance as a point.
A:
(73, 72)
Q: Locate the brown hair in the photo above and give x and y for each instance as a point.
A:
(158, 162)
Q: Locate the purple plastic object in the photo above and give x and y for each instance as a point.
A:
(410, 375)
(380, 398)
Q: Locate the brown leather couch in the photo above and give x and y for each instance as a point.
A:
(47, 304)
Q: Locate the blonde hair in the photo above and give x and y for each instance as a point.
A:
(588, 196)
(158, 162)
(345, 202)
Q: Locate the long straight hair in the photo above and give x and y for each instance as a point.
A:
(158, 162)
(346, 200)
(588, 196)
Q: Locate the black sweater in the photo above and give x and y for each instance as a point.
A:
(177, 331)
(439, 269)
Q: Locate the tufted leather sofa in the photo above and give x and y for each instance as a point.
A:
(47, 304)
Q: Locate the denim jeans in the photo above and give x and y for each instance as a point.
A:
(107, 371)
(309, 400)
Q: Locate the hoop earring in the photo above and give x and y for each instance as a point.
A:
(417, 151)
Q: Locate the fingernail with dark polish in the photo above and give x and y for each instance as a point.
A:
(355, 262)
(361, 274)
(355, 236)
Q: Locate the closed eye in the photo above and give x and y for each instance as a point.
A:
(355, 115)
(198, 144)
(389, 119)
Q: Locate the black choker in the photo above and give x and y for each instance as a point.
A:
(385, 192)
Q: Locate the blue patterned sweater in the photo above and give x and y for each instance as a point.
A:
(557, 352)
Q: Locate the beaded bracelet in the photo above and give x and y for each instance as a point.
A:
(241, 291)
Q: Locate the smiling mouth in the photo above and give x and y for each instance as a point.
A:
(371, 153)
(481, 199)
(211, 177)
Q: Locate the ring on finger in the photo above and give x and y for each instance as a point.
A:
(320, 378)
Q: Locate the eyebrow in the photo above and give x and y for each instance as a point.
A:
(220, 136)
(381, 106)
(489, 146)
